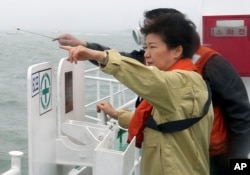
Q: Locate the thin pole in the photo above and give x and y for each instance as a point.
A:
(35, 33)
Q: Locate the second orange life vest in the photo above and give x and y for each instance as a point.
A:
(220, 133)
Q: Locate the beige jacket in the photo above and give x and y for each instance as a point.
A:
(124, 117)
(175, 95)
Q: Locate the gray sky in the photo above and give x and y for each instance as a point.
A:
(82, 15)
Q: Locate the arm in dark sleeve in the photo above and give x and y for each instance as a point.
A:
(137, 55)
(230, 92)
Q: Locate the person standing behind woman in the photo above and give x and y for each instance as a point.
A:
(169, 45)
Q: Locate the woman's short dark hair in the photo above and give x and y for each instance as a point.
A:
(175, 31)
(152, 14)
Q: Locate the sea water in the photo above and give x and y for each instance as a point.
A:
(17, 53)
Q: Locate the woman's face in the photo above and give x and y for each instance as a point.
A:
(158, 54)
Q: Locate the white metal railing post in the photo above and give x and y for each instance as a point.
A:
(98, 89)
(15, 163)
(120, 98)
(111, 93)
(98, 96)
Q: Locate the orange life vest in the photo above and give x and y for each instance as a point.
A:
(220, 133)
(136, 125)
(143, 110)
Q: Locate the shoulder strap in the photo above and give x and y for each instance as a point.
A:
(179, 125)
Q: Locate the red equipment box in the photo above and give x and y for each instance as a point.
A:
(230, 35)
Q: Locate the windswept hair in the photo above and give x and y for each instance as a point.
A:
(175, 31)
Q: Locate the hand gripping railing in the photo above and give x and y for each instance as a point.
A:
(15, 163)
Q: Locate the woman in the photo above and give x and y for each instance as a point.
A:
(171, 90)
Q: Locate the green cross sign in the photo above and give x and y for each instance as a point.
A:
(45, 91)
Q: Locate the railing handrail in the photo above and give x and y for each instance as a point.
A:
(101, 78)
(91, 69)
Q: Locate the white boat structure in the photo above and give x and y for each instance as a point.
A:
(63, 140)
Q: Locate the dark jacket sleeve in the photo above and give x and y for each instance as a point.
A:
(137, 55)
(229, 91)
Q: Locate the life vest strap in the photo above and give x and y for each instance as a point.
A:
(179, 125)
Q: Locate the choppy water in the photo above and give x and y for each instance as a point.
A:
(17, 53)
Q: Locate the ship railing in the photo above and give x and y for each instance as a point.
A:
(106, 89)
